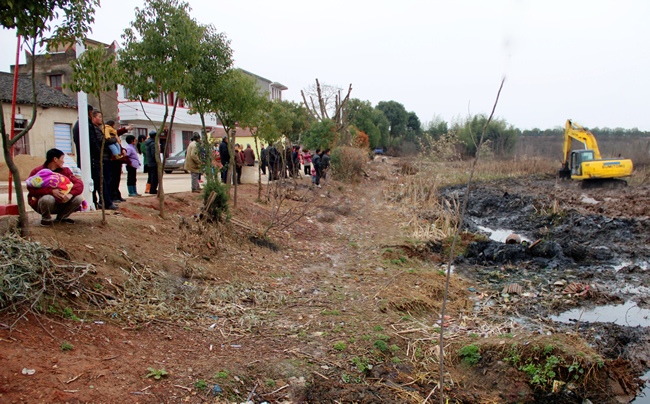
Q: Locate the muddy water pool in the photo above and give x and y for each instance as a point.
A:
(628, 314)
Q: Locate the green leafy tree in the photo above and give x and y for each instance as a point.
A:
(94, 72)
(397, 117)
(321, 134)
(31, 19)
(436, 127)
(501, 135)
(413, 127)
(237, 103)
(161, 49)
(369, 120)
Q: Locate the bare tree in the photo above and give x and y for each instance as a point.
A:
(331, 105)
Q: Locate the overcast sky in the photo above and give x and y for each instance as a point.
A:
(584, 60)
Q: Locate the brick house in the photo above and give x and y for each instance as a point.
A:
(56, 115)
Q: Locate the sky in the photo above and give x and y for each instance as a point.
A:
(583, 60)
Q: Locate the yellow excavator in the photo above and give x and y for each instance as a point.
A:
(587, 165)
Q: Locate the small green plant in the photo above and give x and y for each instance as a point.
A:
(473, 335)
(98, 286)
(66, 346)
(402, 259)
(366, 338)
(395, 359)
(548, 349)
(340, 346)
(378, 328)
(157, 374)
(221, 374)
(352, 340)
(396, 261)
(381, 345)
(388, 250)
(360, 363)
(269, 382)
(301, 333)
(53, 309)
(346, 378)
(69, 314)
(382, 337)
(394, 348)
(441, 272)
(470, 354)
(201, 384)
(330, 313)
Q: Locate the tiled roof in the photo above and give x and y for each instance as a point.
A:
(46, 95)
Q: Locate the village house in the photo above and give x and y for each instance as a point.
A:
(56, 115)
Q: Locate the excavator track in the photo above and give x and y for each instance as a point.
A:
(607, 183)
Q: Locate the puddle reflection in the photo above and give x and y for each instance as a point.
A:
(628, 314)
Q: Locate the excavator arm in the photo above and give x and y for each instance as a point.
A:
(577, 132)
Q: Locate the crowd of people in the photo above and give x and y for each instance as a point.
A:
(54, 189)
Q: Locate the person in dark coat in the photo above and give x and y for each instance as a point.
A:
(273, 161)
(325, 163)
(224, 155)
(91, 130)
(98, 159)
(152, 165)
(316, 160)
(264, 158)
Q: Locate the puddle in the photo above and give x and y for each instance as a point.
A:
(628, 314)
(644, 395)
(642, 264)
(500, 235)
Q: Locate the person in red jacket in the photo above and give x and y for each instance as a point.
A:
(47, 200)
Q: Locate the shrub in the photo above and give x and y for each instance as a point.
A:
(470, 354)
(219, 209)
(348, 162)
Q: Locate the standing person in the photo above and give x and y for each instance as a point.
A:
(116, 162)
(249, 156)
(295, 161)
(317, 167)
(273, 157)
(132, 165)
(306, 161)
(94, 153)
(239, 162)
(224, 155)
(45, 193)
(75, 135)
(142, 150)
(101, 158)
(152, 165)
(264, 158)
(192, 162)
(325, 163)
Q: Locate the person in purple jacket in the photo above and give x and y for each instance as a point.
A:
(132, 164)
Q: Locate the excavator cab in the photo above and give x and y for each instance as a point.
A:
(578, 157)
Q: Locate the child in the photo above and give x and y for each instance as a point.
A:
(313, 175)
(109, 131)
(133, 163)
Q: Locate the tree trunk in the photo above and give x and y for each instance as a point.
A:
(259, 169)
(161, 167)
(235, 178)
(23, 222)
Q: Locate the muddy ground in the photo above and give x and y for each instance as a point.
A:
(341, 306)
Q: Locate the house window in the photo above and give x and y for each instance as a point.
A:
(126, 93)
(160, 99)
(56, 82)
(141, 131)
(187, 138)
(22, 145)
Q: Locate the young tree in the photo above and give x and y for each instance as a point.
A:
(160, 52)
(236, 104)
(93, 73)
(31, 19)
